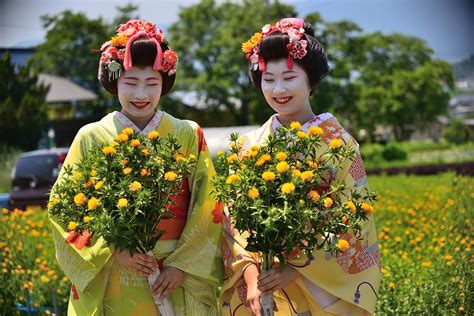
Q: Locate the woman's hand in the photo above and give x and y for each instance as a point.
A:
(139, 262)
(170, 278)
(274, 279)
(253, 293)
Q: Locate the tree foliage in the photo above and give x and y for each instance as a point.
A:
(71, 49)
(23, 109)
(374, 78)
(208, 38)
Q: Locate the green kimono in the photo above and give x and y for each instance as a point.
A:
(101, 286)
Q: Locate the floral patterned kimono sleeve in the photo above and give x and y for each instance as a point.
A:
(81, 257)
(353, 278)
(198, 250)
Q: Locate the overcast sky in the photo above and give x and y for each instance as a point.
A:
(447, 25)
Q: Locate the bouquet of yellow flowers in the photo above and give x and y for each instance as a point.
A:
(274, 198)
(122, 190)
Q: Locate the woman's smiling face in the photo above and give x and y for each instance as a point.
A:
(287, 91)
(139, 91)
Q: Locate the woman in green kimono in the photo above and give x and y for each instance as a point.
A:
(139, 67)
(287, 63)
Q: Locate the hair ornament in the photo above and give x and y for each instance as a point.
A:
(293, 27)
(116, 52)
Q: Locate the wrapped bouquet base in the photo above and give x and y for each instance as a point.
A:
(164, 305)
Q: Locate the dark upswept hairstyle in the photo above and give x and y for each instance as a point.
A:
(273, 48)
(143, 52)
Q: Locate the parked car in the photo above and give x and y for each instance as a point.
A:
(33, 175)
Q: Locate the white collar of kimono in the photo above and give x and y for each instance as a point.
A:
(315, 121)
(151, 126)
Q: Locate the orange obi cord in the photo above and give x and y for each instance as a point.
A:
(173, 227)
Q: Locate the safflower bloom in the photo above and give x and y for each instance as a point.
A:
(232, 178)
(153, 135)
(114, 144)
(128, 131)
(295, 125)
(315, 130)
(301, 134)
(122, 203)
(93, 173)
(288, 188)
(192, 157)
(146, 151)
(343, 245)
(254, 148)
(127, 170)
(93, 203)
(266, 157)
(268, 176)
(282, 167)
(314, 195)
(328, 202)
(307, 175)
(253, 193)
(135, 143)
(351, 206)
(145, 172)
(77, 175)
(247, 47)
(296, 173)
(256, 38)
(312, 164)
(99, 185)
(426, 264)
(367, 208)
(109, 150)
(71, 225)
(232, 158)
(281, 156)
(135, 186)
(335, 143)
(80, 199)
(87, 219)
(170, 176)
(119, 40)
(122, 137)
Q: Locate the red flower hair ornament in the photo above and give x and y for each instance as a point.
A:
(116, 52)
(293, 27)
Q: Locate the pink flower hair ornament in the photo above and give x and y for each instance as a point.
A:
(293, 27)
(116, 52)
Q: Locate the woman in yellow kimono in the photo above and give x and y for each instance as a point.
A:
(139, 67)
(286, 63)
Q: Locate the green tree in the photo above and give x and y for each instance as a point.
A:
(71, 49)
(399, 83)
(23, 108)
(212, 67)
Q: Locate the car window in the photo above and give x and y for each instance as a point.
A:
(39, 166)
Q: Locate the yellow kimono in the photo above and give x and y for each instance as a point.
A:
(101, 286)
(346, 284)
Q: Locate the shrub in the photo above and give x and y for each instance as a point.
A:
(456, 132)
(394, 151)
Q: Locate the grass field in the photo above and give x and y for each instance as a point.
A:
(424, 227)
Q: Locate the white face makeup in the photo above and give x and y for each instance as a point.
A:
(139, 91)
(287, 91)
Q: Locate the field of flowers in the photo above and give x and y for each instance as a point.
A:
(424, 227)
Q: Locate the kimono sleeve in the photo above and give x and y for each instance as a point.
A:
(354, 276)
(80, 256)
(198, 251)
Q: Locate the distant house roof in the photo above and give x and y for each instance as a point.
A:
(217, 138)
(64, 90)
